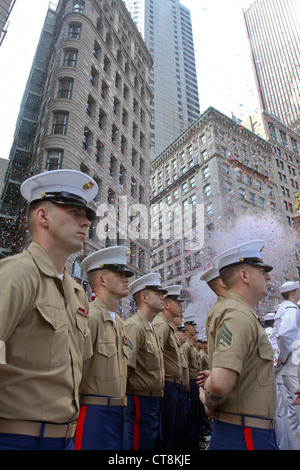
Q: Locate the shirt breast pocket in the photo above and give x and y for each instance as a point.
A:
(47, 344)
(151, 356)
(265, 370)
(107, 358)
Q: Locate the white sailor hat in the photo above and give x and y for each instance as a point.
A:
(112, 258)
(289, 286)
(149, 281)
(269, 316)
(210, 274)
(173, 292)
(61, 187)
(249, 253)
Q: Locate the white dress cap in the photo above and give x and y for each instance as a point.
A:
(289, 286)
(149, 281)
(190, 319)
(113, 258)
(60, 186)
(173, 292)
(249, 253)
(210, 274)
(202, 338)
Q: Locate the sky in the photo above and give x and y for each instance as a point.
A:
(225, 74)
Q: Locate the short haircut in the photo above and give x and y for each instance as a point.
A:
(286, 295)
(93, 276)
(214, 284)
(34, 206)
(228, 274)
(137, 296)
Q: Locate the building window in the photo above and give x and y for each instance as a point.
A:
(205, 172)
(94, 77)
(70, 57)
(99, 151)
(192, 182)
(65, 88)
(122, 176)
(87, 140)
(90, 106)
(74, 30)
(106, 64)
(59, 125)
(241, 194)
(102, 120)
(207, 190)
(96, 50)
(54, 160)
(209, 209)
(78, 7)
(184, 188)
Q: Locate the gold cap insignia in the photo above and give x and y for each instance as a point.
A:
(43, 195)
(241, 259)
(89, 185)
(128, 253)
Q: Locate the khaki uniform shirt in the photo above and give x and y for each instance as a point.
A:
(185, 370)
(105, 373)
(44, 325)
(145, 358)
(237, 341)
(171, 348)
(192, 356)
(203, 359)
(215, 307)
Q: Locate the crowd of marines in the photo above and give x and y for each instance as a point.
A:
(77, 376)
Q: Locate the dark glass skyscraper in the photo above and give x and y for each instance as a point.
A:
(273, 28)
(166, 27)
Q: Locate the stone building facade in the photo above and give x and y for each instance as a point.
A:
(94, 116)
(226, 171)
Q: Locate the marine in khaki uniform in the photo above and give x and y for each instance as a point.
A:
(145, 365)
(214, 281)
(204, 424)
(163, 324)
(240, 390)
(102, 421)
(185, 406)
(193, 362)
(44, 317)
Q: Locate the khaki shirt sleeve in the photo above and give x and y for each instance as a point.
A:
(135, 337)
(234, 336)
(17, 293)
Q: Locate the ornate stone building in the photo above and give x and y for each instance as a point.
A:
(212, 187)
(91, 113)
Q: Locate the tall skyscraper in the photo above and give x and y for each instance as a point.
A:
(273, 28)
(167, 30)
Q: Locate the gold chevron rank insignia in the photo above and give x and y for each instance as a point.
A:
(224, 338)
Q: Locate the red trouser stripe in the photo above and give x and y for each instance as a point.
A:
(136, 425)
(248, 438)
(79, 428)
